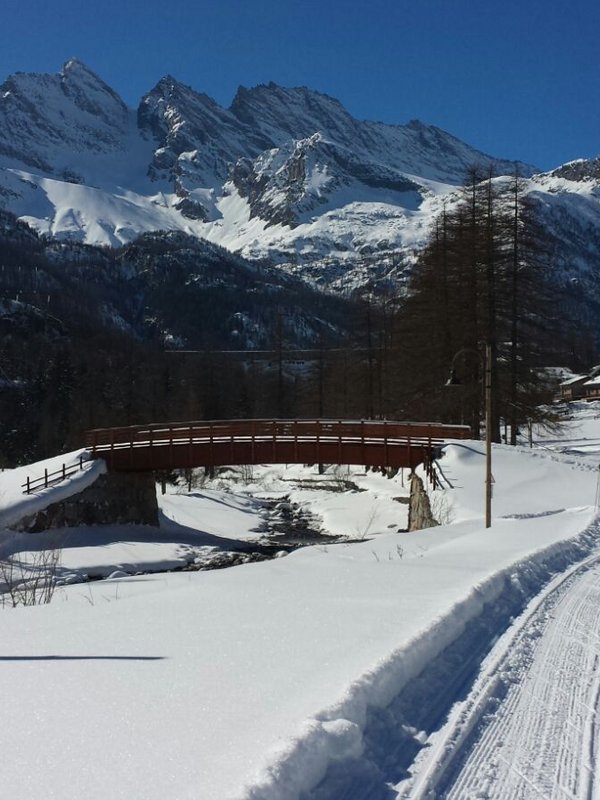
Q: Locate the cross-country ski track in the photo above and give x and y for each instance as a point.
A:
(529, 726)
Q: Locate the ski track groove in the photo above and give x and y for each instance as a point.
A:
(540, 738)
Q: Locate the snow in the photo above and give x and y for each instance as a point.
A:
(337, 222)
(78, 164)
(15, 504)
(98, 214)
(257, 680)
(510, 759)
(573, 379)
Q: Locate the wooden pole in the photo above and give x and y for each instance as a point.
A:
(488, 435)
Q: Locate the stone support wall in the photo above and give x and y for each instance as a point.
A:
(114, 498)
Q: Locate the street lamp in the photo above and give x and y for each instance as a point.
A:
(453, 380)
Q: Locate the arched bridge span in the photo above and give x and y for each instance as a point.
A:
(174, 445)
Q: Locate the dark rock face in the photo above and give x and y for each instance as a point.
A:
(582, 170)
(182, 120)
(280, 113)
(191, 209)
(295, 154)
(286, 182)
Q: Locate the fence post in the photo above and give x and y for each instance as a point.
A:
(385, 442)
(319, 462)
(362, 442)
(46, 477)
(295, 428)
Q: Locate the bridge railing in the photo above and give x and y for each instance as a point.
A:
(102, 439)
(221, 442)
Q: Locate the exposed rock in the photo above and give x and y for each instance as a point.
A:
(580, 170)
(328, 192)
(419, 509)
(192, 209)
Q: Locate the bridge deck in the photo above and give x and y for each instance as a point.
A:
(227, 442)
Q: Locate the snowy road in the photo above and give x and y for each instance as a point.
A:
(535, 707)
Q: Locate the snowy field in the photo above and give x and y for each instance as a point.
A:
(382, 665)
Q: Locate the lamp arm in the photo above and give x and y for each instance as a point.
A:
(472, 351)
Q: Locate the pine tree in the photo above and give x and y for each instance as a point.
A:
(481, 280)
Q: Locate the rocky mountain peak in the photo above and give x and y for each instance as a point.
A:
(90, 94)
(182, 118)
(580, 170)
(169, 89)
(75, 69)
(197, 139)
(44, 119)
(283, 113)
(285, 173)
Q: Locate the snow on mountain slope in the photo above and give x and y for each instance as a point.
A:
(191, 127)
(286, 174)
(569, 202)
(84, 213)
(282, 114)
(47, 121)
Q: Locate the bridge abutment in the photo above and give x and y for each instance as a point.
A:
(115, 498)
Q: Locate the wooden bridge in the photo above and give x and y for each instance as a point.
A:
(179, 445)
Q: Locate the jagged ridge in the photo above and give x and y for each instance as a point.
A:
(286, 174)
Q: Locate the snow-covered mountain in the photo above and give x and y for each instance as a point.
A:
(286, 174)
(49, 122)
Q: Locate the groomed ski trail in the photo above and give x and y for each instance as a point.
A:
(530, 727)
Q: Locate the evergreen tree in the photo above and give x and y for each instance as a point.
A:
(481, 279)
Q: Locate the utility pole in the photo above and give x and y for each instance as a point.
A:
(488, 435)
(280, 385)
(486, 359)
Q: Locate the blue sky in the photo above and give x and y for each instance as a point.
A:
(517, 78)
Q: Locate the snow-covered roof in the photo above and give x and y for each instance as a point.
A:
(573, 379)
(593, 373)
